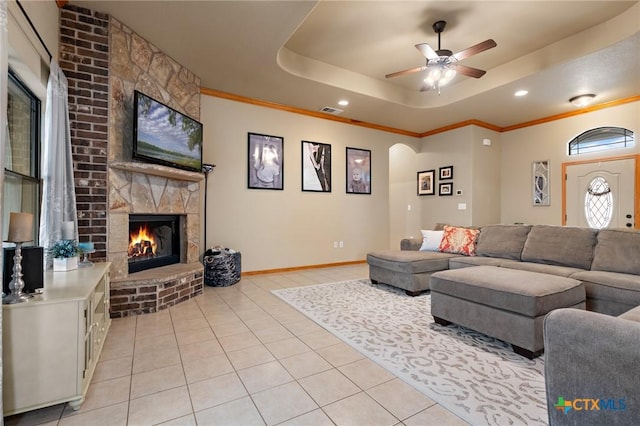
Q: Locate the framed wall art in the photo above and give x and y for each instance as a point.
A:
(446, 173)
(540, 183)
(358, 171)
(265, 162)
(446, 188)
(316, 166)
(427, 182)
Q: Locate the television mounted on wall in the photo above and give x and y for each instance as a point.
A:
(162, 135)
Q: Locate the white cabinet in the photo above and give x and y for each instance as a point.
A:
(50, 344)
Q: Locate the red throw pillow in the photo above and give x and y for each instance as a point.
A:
(459, 240)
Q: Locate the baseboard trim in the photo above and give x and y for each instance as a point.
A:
(302, 268)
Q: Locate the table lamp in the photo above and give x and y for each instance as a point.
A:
(20, 231)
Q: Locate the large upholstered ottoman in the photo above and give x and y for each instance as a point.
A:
(406, 269)
(504, 303)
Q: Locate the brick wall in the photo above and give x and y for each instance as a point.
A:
(84, 58)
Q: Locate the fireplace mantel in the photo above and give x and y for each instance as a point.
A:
(158, 170)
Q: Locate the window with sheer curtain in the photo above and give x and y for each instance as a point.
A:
(21, 192)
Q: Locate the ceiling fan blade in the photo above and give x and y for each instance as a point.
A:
(409, 71)
(469, 71)
(427, 51)
(475, 49)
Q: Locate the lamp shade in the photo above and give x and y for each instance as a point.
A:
(20, 227)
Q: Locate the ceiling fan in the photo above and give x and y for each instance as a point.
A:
(442, 64)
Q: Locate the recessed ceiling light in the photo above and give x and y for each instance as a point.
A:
(582, 100)
(520, 93)
(343, 102)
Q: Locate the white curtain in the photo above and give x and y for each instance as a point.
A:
(58, 191)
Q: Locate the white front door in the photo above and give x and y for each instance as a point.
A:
(600, 194)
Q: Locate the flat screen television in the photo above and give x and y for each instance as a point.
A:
(165, 136)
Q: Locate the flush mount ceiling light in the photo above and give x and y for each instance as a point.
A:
(521, 93)
(582, 100)
(343, 102)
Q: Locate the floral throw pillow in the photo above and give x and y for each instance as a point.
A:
(459, 240)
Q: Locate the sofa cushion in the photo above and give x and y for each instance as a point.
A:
(409, 261)
(616, 251)
(560, 245)
(525, 293)
(613, 286)
(504, 241)
(542, 268)
(459, 240)
(431, 240)
(632, 314)
(467, 261)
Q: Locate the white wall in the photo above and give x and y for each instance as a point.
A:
(486, 177)
(403, 194)
(289, 228)
(549, 142)
(453, 148)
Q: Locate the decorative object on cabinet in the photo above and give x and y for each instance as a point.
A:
(265, 162)
(427, 182)
(51, 345)
(540, 183)
(358, 171)
(20, 231)
(446, 188)
(446, 173)
(65, 255)
(316, 166)
(86, 249)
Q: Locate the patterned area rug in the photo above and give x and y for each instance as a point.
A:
(477, 377)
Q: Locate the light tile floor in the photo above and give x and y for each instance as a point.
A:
(240, 356)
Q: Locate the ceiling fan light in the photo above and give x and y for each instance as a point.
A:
(582, 100)
(449, 74)
(434, 74)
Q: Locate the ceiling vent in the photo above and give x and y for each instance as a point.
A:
(331, 110)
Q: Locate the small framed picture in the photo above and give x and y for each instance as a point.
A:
(446, 173)
(265, 162)
(358, 171)
(316, 166)
(426, 182)
(446, 188)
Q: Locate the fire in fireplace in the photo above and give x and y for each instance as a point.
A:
(154, 240)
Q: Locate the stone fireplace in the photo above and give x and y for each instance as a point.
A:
(147, 192)
(105, 62)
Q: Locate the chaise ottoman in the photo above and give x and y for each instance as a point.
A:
(508, 304)
(406, 269)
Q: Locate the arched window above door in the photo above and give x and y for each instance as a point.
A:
(601, 139)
